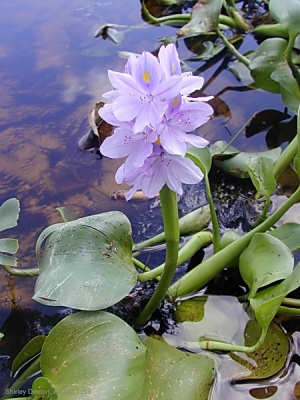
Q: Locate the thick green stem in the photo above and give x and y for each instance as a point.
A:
(233, 50)
(289, 57)
(208, 269)
(190, 223)
(182, 19)
(285, 158)
(169, 208)
(195, 243)
(214, 345)
(289, 311)
(214, 218)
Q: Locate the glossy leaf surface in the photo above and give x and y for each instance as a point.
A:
(86, 263)
(286, 13)
(9, 214)
(175, 374)
(267, 302)
(94, 355)
(260, 170)
(264, 261)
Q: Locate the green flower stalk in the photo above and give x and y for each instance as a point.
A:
(169, 209)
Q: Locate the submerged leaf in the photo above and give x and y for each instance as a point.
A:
(94, 355)
(191, 310)
(204, 18)
(271, 356)
(174, 374)
(67, 214)
(86, 263)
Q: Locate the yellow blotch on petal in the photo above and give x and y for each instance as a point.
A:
(157, 141)
(175, 102)
(146, 77)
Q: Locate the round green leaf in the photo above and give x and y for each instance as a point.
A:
(174, 374)
(264, 261)
(86, 263)
(289, 234)
(287, 13)
(94, 355)
(42, 389)
(289, 88)
(9, 214)
(269, 54)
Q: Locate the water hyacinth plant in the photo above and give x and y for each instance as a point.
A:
(91, 263)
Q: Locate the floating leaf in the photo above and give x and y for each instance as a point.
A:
(109, 31)
(86, 263)
(94, 355)
(237, 164)
(264, 61)
(8, 246)
(32, 348)
(267, 302)
(271, 356)
(220, 149)
(9, 214)
(204, 18)
(260, 170)
(289, 234)
(289, 88)
(265, 261)
(174, 374)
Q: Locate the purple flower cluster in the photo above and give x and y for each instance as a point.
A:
(152, 113)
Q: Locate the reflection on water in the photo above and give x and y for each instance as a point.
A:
(52, 72)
